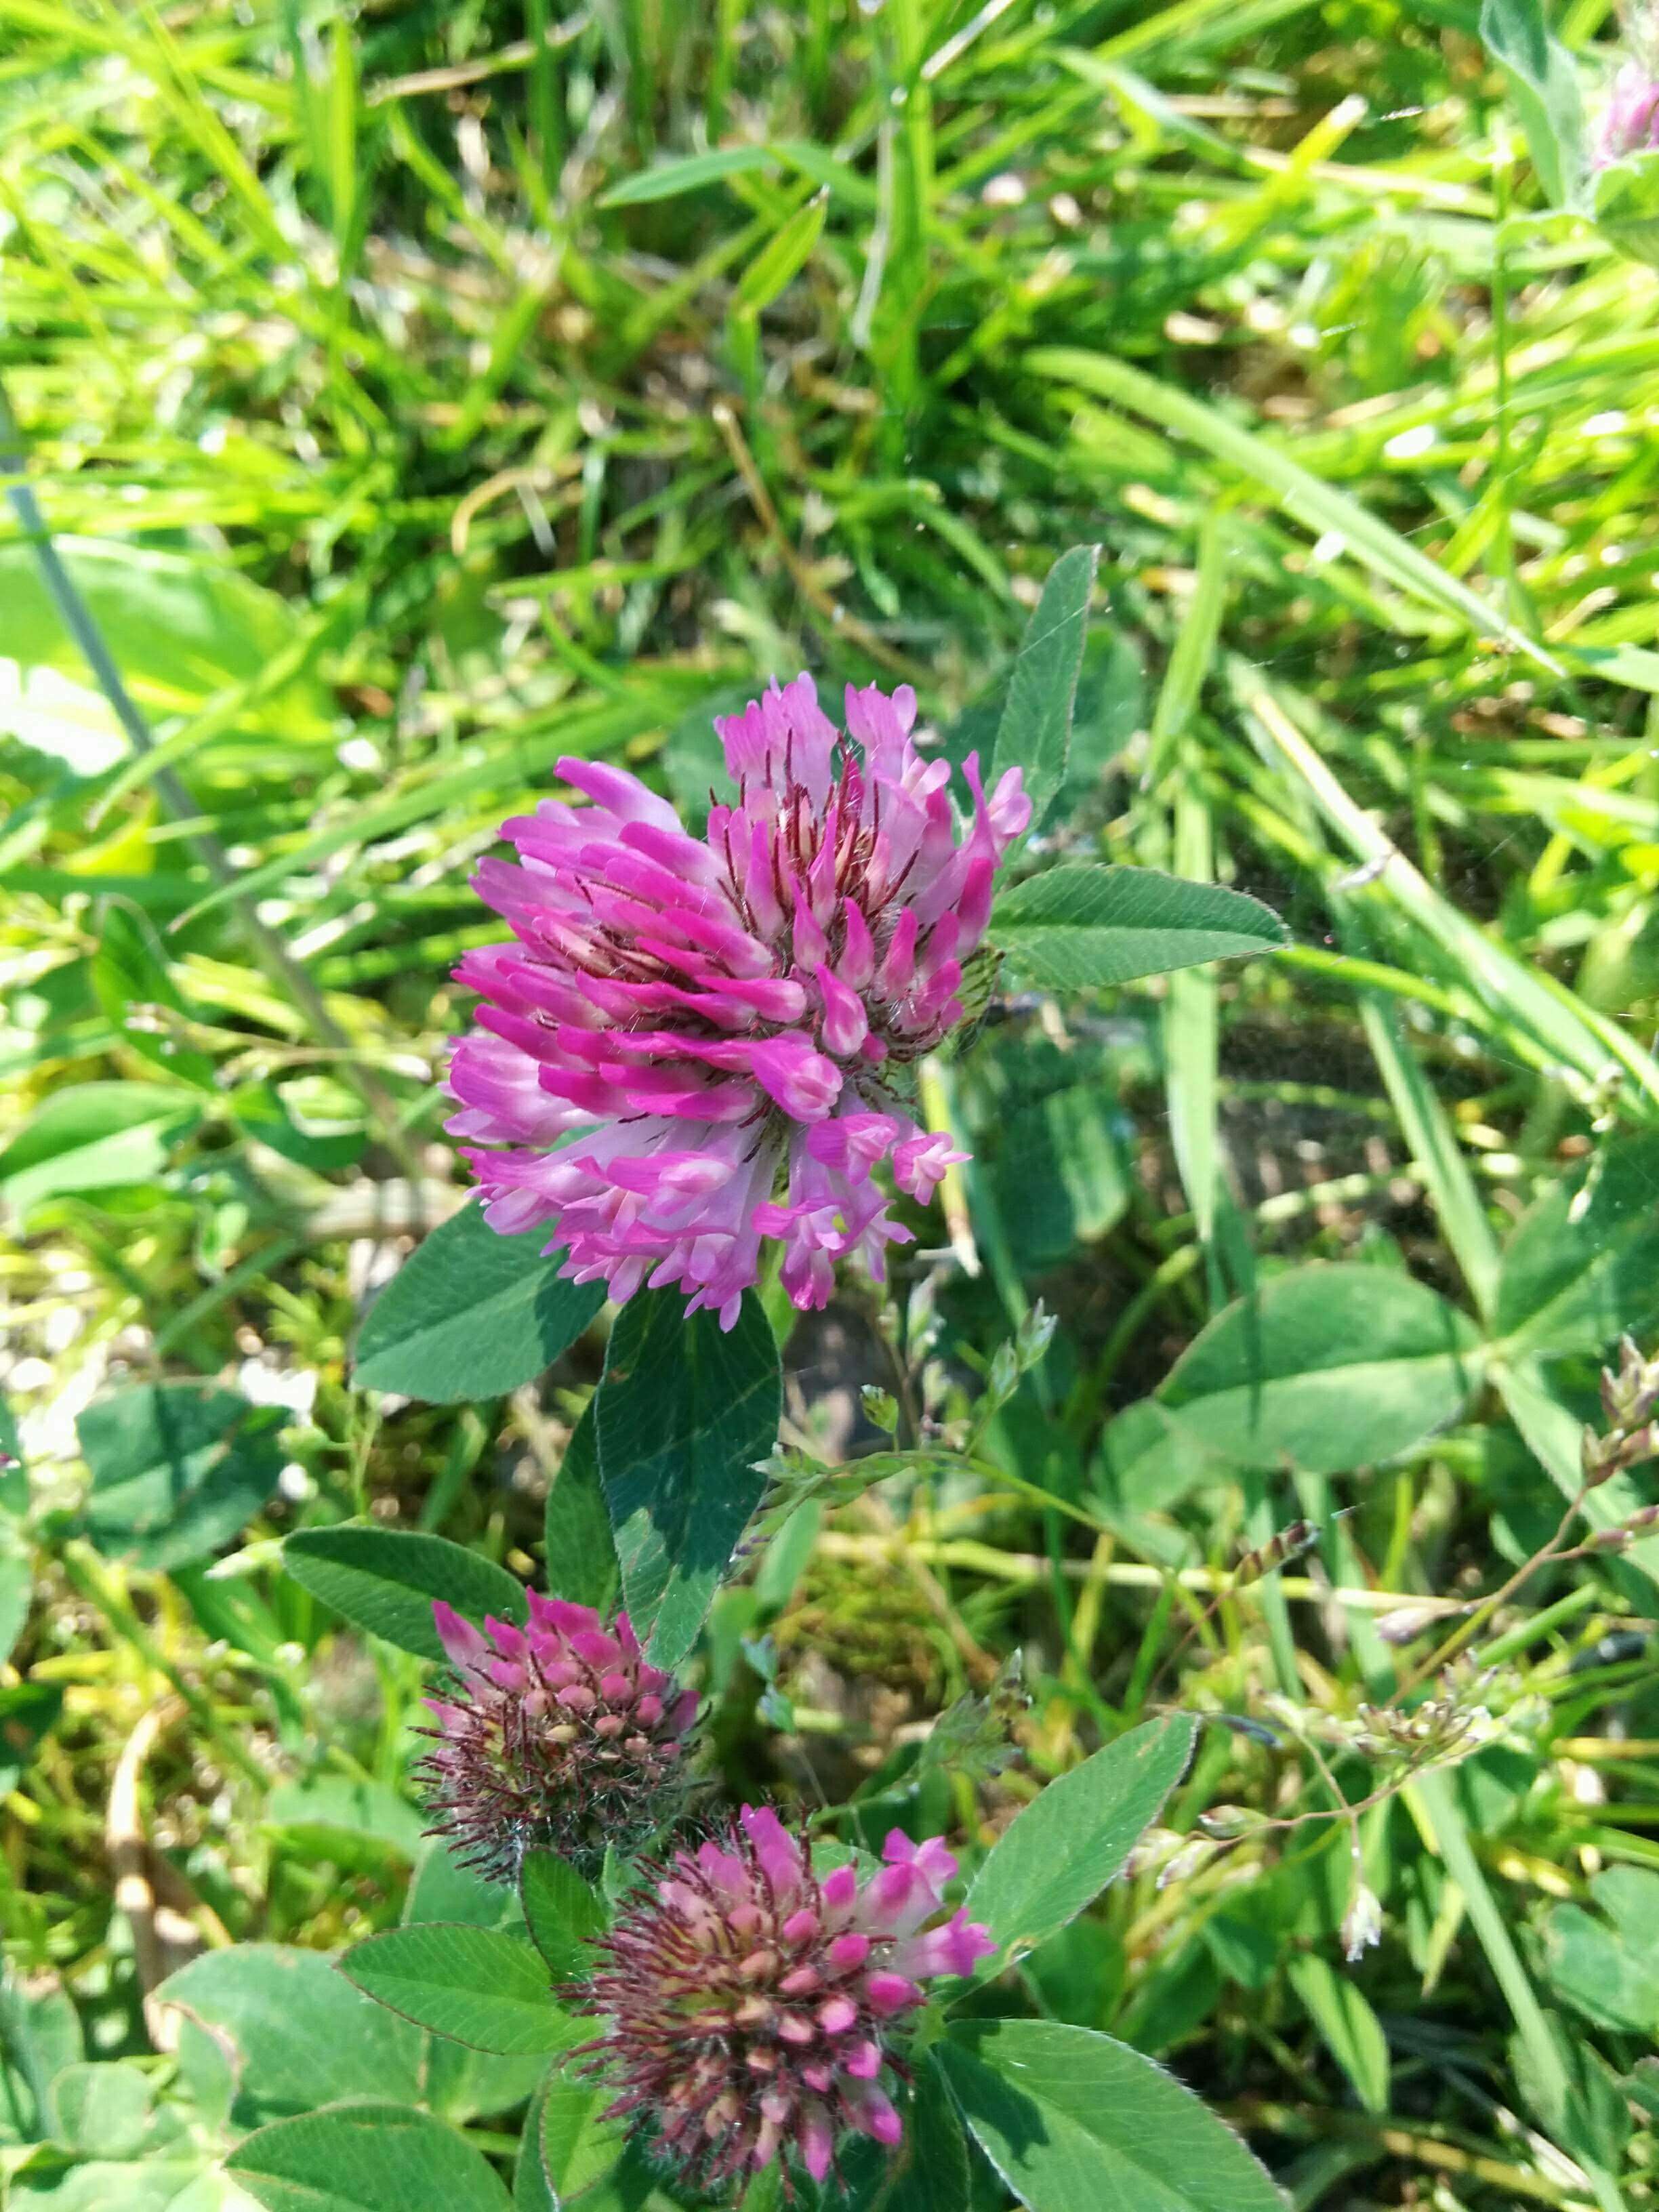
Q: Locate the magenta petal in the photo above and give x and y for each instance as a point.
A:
(805, 1083)
(463, 1643)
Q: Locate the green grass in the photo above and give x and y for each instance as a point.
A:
(416, 398)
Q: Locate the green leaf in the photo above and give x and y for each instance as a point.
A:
(1062, 1849)
(178, 2183)
(1608, 1968)
(561, 1913)
(335, 1806)
(101, 2110)
(1060, 1177)
(476, 1985)
(95, 1136)
(581, 2147)
(386, 1580)
(1078, 926)
(303, 2036)
(1332, 1367)
(182, 628)
(445, 1889)
(471, 1314)
(1351, 2031)
(1110, 707)
(580, 1561)
(365, 2158)
(1624, 203)
(460, 2080)
(1543, 80)
(1582, 1263)
(685, 1412)
(667, 180)
(1150, 1461)
(1035, 734)
(531, 2190)
(178, 1468)
(1075, 2122)
(28, 1711)
(41, 2034)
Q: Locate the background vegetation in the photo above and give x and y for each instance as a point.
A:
(418, 394)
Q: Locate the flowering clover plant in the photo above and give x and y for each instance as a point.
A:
(705, 1082)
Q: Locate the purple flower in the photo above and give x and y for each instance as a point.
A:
(695, 1044)
(1631, 124)
(748, 2005)
(557, 1737)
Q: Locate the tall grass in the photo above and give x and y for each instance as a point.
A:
(417, 394)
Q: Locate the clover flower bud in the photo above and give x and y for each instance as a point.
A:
(557, 1737)
(1630, 124)
(748, 2005)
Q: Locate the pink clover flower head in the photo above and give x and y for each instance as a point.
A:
(748, 2005)
(556, 1736)
(1631, 124)
(693, 1044)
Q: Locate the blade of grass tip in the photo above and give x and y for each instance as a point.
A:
(1316, 503)
(1436, 1798)
(272, 955)
(1286, 183)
